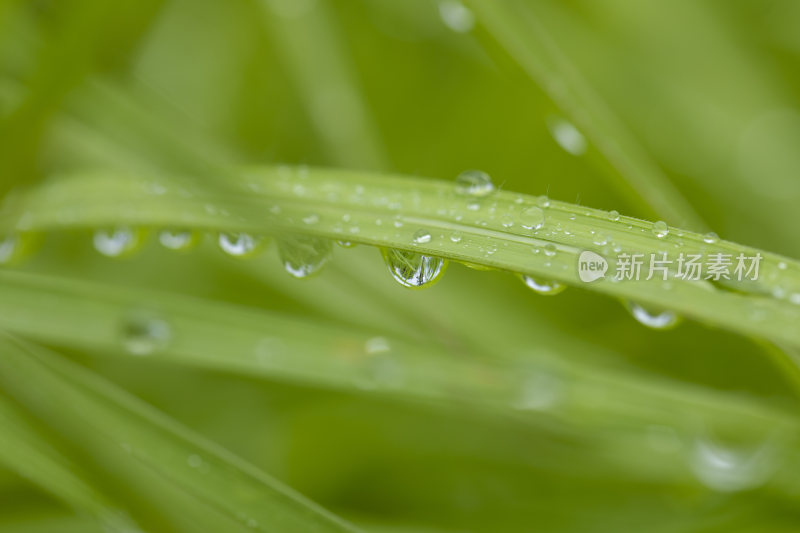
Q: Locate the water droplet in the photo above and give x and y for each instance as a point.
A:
(543, 202)
(303, 256)
(143, 334)
(726, 468)
(15, 247)
(540, 391)
(655, 320)
(422, 236)
(550, 249)
(567, 136)
(346, 244)
(118, 242)
(613, 215)
(710, 237)
(456, 237)
(660, 229)
(376, 345)
(240, 244)
(782, 265)
(474, 183)
(543, 286)
(531, 218)
(506, 221)
(412, 269)
(311, 219)
(456, 16)
(178, 239)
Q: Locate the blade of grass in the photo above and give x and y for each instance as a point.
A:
(388, 211)
(79, 404)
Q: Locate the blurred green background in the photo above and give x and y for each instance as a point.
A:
(687, 111)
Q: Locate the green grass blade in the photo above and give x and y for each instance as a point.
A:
(80, 403)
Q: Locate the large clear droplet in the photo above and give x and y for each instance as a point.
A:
(532, 218)
(240, 244)
(413, 270)
(144, 334)
(543, 286)
(117, 242)
(303, 256)
(474, 183)
(178, 239)
(656, 320)
(422, 236)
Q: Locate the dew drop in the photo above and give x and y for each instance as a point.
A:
(568, 137)
(543, 286)
(15, 247)
(456, 237)
(346, 244)
(311, 219)
(474, 183)
(660, 229)
(118, 242)
(656, 320)
(143, 334)
(506, 221)
(303, 256)
(456, 16)
(240, 244)
(376, 345)
(422, 236)
(178, 239)
(550, 249)
(726, 468)
(710, 237)
(540, 391)
(613, 215)
(543, 201)
(412, 269)
(782, 265)
(532, 218)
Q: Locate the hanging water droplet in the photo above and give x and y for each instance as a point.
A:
(660, 229)
(16, 246)
(456, 16)
(550, 249)
(455, 237)
(143, 334)
(474, 183)
(613, 215)
(240, 244)
(422, 236)
(567, 136)
(656, 320)
(178, 239)
(531, 218)
(731, 468)
(543, 286)
(303, 256)
(376, 345)
(540, 391)
(710, 237)
(118, 242)
(412, 269)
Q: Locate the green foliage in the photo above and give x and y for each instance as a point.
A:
(169, 381)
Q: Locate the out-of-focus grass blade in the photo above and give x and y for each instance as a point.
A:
(515, 26)
(96, 415)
